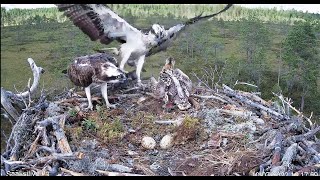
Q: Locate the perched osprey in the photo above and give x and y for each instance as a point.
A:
(173, 86)
(99, 22)
(98, 68)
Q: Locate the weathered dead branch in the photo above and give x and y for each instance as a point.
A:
(287, 104)
(5, 102)
(209, 97)
(305, 136)
(8, 98)
(109, 173)
(58, 132)
(37, 71)
(72, 172)
(249, 102)
(277, 149)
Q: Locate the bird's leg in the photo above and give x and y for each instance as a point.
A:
(165, 99)
(104, 92)
(124, 60)
(138, 70)
(88, 94)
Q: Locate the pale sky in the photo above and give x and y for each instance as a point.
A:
(313, 8)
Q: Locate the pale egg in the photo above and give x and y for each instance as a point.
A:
(166, 142)
(148, 142)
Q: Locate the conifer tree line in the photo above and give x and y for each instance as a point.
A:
(235, 13)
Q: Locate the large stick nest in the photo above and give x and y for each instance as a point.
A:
(225, 132)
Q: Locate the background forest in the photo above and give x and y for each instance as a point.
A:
(278, 51)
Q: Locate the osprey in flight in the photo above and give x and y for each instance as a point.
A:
(99, 22)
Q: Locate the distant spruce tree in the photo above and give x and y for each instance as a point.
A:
(302, 58)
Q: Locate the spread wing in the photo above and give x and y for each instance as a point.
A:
(200, 17)
(174, 31)
(99, 22)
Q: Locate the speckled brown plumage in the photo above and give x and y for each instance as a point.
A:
(86, 70)
(173, 86)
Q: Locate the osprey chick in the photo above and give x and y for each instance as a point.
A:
(172, 86)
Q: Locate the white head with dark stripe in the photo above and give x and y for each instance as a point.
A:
(111, 73)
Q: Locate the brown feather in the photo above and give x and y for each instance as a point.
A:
(82, 16)
(96, 26)
(80, 76)
(86, 70)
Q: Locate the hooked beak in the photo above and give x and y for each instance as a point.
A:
(122, 77)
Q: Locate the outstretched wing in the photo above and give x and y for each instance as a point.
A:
(99, 22)
(174, 31)
(200, 17)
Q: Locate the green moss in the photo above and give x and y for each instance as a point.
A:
(142, 119)
(102, 113)
(190, 122)
(75, 133)
(111, 132)
(73, 112)
(89, 125)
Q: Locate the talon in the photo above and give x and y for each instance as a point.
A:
(111, 106)
(87, 109)
(141, 85)
(124, 71)
(90, 108)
